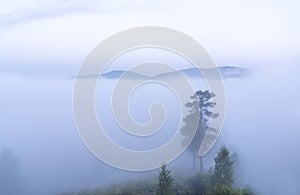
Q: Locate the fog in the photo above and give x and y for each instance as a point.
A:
(261, 127)
(43, 45)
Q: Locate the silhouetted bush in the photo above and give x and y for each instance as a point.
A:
(218, 181)
(10, 180)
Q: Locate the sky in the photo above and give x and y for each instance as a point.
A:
(43, 43)
(61, 33)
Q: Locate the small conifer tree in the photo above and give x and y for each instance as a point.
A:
(165, 181)
(223, 171)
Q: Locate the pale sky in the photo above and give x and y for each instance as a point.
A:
(55, 36)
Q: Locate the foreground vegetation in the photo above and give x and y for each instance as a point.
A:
(218, 181)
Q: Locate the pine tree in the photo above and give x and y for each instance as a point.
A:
(165, 181)
(223, 171)
(201, 111)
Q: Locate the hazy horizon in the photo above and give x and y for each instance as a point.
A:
(44, 44)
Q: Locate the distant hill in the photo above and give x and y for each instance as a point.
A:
(129, 74)
(227, 72)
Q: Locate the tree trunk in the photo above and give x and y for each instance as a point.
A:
(201, 164)
(195, 161)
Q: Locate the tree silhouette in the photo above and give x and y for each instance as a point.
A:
(165, 181)
(223, 172)
(201, 111)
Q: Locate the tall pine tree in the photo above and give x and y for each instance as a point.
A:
(201, 112)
